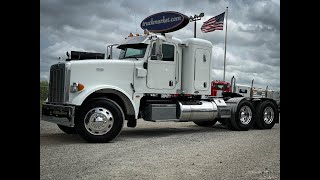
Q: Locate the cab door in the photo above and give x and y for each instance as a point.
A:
(162, 72)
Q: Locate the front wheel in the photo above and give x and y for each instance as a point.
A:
(205, 123)
(100, 120)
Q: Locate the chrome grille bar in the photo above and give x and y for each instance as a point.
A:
(57, 83)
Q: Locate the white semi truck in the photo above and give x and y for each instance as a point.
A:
(95, 97)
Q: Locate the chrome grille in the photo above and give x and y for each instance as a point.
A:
(57, 83)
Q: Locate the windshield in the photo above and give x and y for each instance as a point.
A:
(132, 50)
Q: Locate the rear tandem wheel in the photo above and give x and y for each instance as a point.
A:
(243, 118)
(267, 115)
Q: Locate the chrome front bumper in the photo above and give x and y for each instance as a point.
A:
(58, 114)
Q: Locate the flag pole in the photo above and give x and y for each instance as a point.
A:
(225, 47)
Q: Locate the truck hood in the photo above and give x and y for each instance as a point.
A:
(98, 73)
(100, 61)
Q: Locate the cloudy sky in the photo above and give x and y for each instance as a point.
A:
(253, 40)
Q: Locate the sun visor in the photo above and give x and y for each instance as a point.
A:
(135, 40)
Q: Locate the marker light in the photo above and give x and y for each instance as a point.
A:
(75, 87)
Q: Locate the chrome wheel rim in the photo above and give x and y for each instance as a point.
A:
(98, 121)
(268, 115)
(245, 115)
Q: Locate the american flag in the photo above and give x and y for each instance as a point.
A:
(214, 23)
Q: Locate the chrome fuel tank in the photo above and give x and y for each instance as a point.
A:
(200, 111)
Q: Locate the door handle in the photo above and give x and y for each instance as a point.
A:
(170, 83)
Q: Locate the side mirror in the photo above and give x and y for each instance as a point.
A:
(157, 50)
(68, 57)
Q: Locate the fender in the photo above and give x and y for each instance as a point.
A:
(80, 97)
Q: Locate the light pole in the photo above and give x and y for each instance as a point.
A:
(195, 18)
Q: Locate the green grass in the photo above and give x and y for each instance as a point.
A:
(43, 91)
(41, 101)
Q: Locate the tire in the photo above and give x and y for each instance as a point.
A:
(100, 121)
(205, 123)
(267, 115)
(66, 129)
(243, 118)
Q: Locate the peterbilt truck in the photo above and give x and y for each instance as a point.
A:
(95, 97)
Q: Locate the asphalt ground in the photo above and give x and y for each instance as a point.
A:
(162, 150)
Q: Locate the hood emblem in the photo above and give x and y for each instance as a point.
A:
(99, 69)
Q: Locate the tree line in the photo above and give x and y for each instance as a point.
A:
(44, 86)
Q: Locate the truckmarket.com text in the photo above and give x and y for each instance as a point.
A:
(161, 21)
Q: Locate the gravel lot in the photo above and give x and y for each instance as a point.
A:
(162, 150)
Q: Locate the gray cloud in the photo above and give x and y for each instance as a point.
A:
(253, 43)
(265, 12)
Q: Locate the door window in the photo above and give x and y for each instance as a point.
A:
(167, 51)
